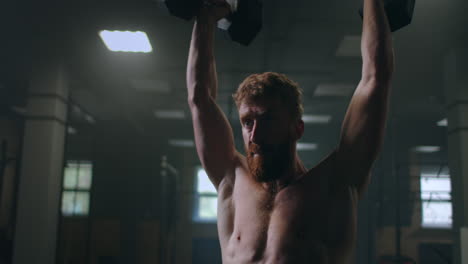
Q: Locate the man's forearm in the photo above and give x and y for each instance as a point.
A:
(376, 45)
(201, 68)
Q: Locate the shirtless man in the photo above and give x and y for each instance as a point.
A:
(271, 209)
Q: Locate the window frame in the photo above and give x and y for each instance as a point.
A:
(196, 201)
(437, 200)
(77, 189)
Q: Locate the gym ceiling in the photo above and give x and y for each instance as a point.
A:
(300, 38)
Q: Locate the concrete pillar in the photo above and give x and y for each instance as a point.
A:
(42, 161)
(456, 91)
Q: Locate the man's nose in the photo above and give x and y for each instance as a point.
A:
(255, 133)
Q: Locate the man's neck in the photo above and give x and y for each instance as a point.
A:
(296, 171)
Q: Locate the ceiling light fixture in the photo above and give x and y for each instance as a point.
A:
(334, 89)
(169, 114)
(443, 123)
(185, 143)
(71, 130)
(126, 41)
(316, 119)
(426, 149)
(306, 146)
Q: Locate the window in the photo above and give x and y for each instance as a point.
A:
(436, 200)
(76, 188)
(206, 198)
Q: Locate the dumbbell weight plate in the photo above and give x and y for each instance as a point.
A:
(183, 8)
(246, 21)
(243, 24)
(399, 13)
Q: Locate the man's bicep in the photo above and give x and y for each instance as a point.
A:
(362, 133)
(214, 139)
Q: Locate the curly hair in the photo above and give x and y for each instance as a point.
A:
(271, 85)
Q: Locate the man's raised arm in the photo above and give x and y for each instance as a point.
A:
(365, 120)
(213, 134)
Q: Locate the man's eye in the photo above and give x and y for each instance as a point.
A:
(248, 123)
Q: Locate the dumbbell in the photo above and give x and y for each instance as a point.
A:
(243, 24)
(399, 13)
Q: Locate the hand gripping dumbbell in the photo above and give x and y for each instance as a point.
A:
(399, 13)
(243, 24)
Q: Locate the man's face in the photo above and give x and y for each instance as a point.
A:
(269, 138)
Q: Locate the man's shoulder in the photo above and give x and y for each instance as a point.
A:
(239, 168)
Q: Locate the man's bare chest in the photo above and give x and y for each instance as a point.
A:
(292, 226)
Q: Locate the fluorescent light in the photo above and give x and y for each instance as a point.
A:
(71, 130)
(126, 41)
(306, 146)
(443, 122)
(334, 89)
(76, 109)
(169, 114)
(426, 149)
(90, 119)
(185, 143)
(350, 46)
(317, 119)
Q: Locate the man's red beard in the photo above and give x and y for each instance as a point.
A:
(268, 164)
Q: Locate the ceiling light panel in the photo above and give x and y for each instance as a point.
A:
(334, 89)
(126, 41)
(184, 143)
(443, 122)
(71, 130)
(306, 146)
(426, 149)
(316, 119)
(169, 114)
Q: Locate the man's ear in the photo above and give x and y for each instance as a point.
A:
(299, 129)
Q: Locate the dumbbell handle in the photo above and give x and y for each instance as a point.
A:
(226, 22)
(234, 4)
